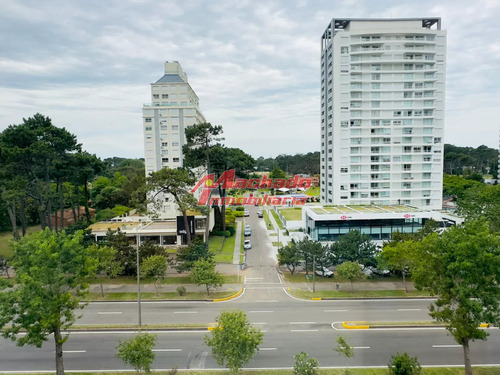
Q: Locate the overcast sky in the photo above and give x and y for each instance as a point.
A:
(254, 65)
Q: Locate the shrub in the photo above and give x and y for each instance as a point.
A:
(231, 230)
(181, 290)
(218, 233)
(227, 233)
(240, 208)
(304, 365)
(239, 214)
(403, 364)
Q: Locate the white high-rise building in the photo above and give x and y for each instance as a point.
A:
(382, 112)
(174, 106)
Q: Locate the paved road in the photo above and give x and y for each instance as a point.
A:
(289, 326)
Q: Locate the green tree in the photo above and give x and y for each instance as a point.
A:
(355, 247)
(305, 365)
(400, 256)
(343, 348)
(277, 172)
(107, 263)
(126, 254)
(137, 351)
(186, 256)
(462, 267)
(313, 252)
(36, 152)
(51, 273)
(290, 256)
(178, 183)
(350, 271)
(403, 364)
(233, 340)
(481, 202)
(203, 273)
(154, 266)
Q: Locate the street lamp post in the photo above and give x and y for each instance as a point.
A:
(138, 276)
(314, 273)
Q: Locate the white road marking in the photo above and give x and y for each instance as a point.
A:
(446, 346)
(302, 322)
(269, 300)
(409, 309)
(334, 310)
(167, 350)
(108, 312)
(258, 323)
(74, 351)
(361, 347)
(268, 348)
(254, 278)
(303, 330)
(261, 311)
(185, 312)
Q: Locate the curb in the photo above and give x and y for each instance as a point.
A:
(228, 298)
(366, 298)
(135, 329)
(355, 325)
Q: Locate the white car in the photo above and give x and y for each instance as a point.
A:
(246, 213)
(248, 230)
(325, 272)
(247, 245)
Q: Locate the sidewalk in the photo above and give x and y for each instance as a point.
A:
(282, 236)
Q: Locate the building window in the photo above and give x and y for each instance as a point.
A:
(164, 96)
(344, 170)
(175, 160)
(148, 128)
(164, 160)
(344, 50)
(175, 127)
(148, 119)
(156, 96)
(175, 144)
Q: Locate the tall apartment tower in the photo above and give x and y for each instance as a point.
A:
(382, 112)
(174, 106)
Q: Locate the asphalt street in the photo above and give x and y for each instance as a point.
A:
(289, 326)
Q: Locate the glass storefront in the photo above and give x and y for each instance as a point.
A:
(379, 229)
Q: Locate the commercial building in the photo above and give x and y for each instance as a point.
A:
(327, 224)
(382, 112)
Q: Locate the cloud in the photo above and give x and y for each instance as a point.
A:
(253, 64)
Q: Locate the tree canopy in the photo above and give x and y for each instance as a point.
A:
(234, 341)
(462, 268)
(51, 273)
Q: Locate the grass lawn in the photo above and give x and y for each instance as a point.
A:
(269, 226)
(292, 214)
(313, 191)
(275, 243)
(226, 255)
(277, 218)
(5, 238)
(306, 294)
(215, 243)
(153, 296)
(300, 277)
(337, 371)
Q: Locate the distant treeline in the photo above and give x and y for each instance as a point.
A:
(291, 164)
(464, 161)
(467, 161)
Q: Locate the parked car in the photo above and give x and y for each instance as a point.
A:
(247, 245)
(324, 272)
(248, 230)
(260, 213)
(246, 213)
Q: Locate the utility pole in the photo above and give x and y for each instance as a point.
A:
(314, 273)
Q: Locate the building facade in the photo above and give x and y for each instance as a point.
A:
(174, 106)
(382, 112)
